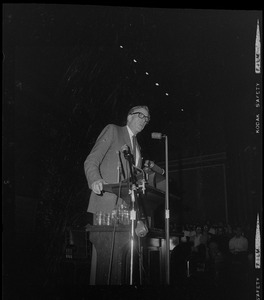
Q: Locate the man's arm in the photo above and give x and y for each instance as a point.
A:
(95, 158)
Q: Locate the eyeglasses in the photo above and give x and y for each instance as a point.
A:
(142, 116)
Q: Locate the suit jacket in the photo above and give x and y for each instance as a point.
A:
(103, 162)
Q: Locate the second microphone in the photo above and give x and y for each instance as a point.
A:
(155, 168)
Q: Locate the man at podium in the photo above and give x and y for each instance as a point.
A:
(107, 161)
(113, 159)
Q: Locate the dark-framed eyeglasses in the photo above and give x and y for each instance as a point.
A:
(141, 116)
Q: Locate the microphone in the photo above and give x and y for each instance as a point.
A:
(118, 166)
(128, 155)
(150, 164)
(157, 135)
(141, 229)
(126, 151)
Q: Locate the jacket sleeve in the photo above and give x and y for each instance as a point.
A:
(97, 154)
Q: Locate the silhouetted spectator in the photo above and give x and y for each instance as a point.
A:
(222, 241)
(238, 248)
(178, 262)
(238, 243)
(206, 235)
(198, 247)
(250, 235)
(216, 262)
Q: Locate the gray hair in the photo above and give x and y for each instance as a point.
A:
(135, 108)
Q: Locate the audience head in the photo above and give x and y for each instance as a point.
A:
(205, 228)
(198, 229)
(220, 230)
(238, 231)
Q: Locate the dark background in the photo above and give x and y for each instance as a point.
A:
(69, 70)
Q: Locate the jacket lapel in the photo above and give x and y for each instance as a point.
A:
(127, 137)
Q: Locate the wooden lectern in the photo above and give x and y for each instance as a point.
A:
(101, 237)
(152, 246)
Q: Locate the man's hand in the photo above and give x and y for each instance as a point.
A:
(97, 186)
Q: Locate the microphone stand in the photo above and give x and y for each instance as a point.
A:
(114, 229)
(144, 180)
(156, 135)
(167, 215)
(132, 215)
(143, 186)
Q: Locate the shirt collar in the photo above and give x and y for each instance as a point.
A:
(130, 131)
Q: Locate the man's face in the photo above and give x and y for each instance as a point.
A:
(198, 230)
(138, 120)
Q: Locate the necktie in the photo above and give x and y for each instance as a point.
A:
(134, 145)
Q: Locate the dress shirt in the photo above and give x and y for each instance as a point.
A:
(238, 244)
(136, 159)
